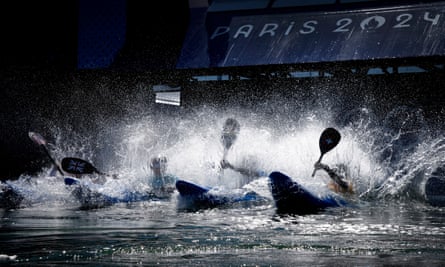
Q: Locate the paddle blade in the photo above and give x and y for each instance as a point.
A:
(77, 166)
(37, 138)
(230, 132)
(329, 138)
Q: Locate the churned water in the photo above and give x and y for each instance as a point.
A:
(154, 233)
(389, 163)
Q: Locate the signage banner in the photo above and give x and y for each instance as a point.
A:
(232, 39)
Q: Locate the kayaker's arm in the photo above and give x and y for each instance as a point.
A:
(244, 171)
(338, 179)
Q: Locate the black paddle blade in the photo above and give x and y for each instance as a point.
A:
(329, 139)
(77, 166)
(230, 131)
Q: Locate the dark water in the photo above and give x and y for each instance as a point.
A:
(155, 233)
(389, 162)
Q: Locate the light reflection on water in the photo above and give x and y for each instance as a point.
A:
(155, 232)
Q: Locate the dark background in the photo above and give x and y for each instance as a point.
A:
(43, 34)
(41, 87)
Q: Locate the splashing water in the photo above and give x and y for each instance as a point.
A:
(392, 160)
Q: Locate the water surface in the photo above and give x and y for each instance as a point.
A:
(389, 163)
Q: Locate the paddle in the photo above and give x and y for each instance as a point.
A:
(39, 140)
(329, 138)
(229, 134)
(79, 166)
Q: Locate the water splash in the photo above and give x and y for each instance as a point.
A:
(385, 160)
(194, 149)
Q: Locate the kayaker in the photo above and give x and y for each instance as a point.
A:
(162, 183)
(248, 169)
(339, 183)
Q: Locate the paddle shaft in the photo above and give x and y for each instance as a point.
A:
(229, 135)
(41, 142)
(225, 153)
(318, 161)
(226, 150)
(51, 158)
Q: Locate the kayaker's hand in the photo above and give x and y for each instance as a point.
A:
(318, 166)
(225, 164)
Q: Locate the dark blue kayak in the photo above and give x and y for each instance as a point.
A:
(292, 198)
(194, 197)
(90, 198)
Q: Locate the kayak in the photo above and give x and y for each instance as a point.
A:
(292, 198)
(91, 198)
(88, 198)
(194, 196)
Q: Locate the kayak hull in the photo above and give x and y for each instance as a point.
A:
(194, 197)
(93, 199)
(292, 198)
